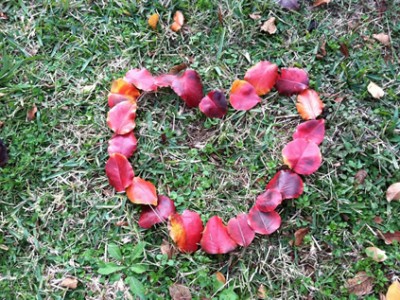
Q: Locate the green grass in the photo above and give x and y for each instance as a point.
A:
(58, 212)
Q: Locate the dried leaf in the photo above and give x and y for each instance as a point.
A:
(179, 292)
(393, 292)
(376, 254)
(30, 115)
(360, 176)
(322, 49)
(320, 2)
(220, 277)
(220, 16)
(269, 26)
(255, 16)
(345, 51)
(153, 20)
(3, 154)
(389, 237)
(70, 283)
(262, 292)
(375, 90)
(378, 220)
(179, 19)
(167, 249)
(299, 236)
(361, 284)
(382, 38)
(178, 68)
(3, 16)
(393, 192)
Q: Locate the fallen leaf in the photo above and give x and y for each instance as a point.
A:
(309, 104)
(322, 50)
(119, 172)
(255, 16)
(262, 76)
(299, 236)
(375, 90)
(389, 237)
(30, 115)
(142, 192)
(243, 95)
(179, 19)
(320, 2)
(262, 222)
(216, 239)
(339, 99)
(70, 283)
(178, 68)
(214, 105)
(361, 284)
(220, 16)
(393, 292)
(313, 130)
(360, 176)
(3, 154)
(376, 254)
(262, 292)
(121, 223)
(1, 124)
(179, 292)
(269, 200)
(3, 16)
(185, 230)
(378, 220)
(289, 4)
(220, 277)
(382, 38)
(269, 26)
(121, 118)
(167, 249)
(153, 215)
(288, 183)
(240, 230)
(188, 86)
(153, 20)
(393, 192)
(123, 144)
(381, 6)
(344, 49)
(292, 81)
(142, 79)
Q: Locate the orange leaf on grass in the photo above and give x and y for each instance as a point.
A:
(142, 192)
(264, 222)
(313, 130)
(121, 118)
(119, 172)
(142, 79)
(288, 183)
(153, 20)
(243, 95)
(302, 156)
(188, 86)
(389, 237)
(122, 87)
(124, 144)
(153, 215)
(292, 81)
(269, 200)
(309, 105)
(179, 19)
(262, 76)
(186, 230)
(240, 230)
(393, 292)
(216, 239)
(214, 105)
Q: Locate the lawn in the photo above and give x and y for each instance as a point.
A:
(60, 218)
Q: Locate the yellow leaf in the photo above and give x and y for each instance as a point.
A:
(153, 20)
(375, 90)
(393, 292)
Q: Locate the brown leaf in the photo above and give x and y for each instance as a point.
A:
(378, 220)
(389, 237)
(320, 2)
(345, 51)
(178, 68)
(299, 235)
(220, 16)
(255, 16)
(376, 254)
(383, 38)
(393, 292)
(375, 90)
(30, 115)
(3, 16)
(121, 223)
(361, 284)
(262, 292)
(269, 26)
(360, 176)
(220, 277)
(339, 99)
(179, 292)
(70, 283)
(393, 192)
(322, 50)
(166, 248)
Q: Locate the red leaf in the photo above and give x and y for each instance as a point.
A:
(292, 81)
(214, 105)
(119, 172)
(121, 118)
(165, 80)
(240, 231)
(288, 183)
(153, 215)
(124, 144)
(264, 222)
(269, 200)
(216, 239)
(303, 156)
(313, 130)
(262, 76)
(114, 99)
(186, 230)
(142, 192)
(309, 105)
(122, 87)
(142, 79)
(243, 95)
(188, 86)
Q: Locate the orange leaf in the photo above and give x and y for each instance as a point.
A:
(262, 76)
(393, 192)
(30, 115)
(220, 277)
(119, 172)
(393, 292)
(122, 87)
(179, 19)
(243, 95)
(153, 20)
(309, 105)
(121, 118)
(142, 192)
(389, 237)
(299, 235)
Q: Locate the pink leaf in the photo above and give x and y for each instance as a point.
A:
(142, 79)
(309, 105)
(153, 215)
(142, 192)
(214, 105)
(240, 231)
(121, 118)
(188, 86)
(124, 144)
(264, 222)
(269, 200)
(262, 76)
(216, 239)
(243, 96)
(119, 172)
(313, 130)
(288, 183)
(292, 81)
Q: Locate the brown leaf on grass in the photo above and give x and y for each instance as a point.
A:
(376, 254)
(393, 292)
(30, 115)
(3, 16)
(262, 292)
(220, 16)
(320, 2)
(70, 283)
(269, 26)
(344, 49)
(375, 90)
(360, 176)
(378, 220)
(153, 20)
(322, 50)
(299, 235)
(255, 16)
(179, 292)
(121, 223)
(339, 99)
(361, 284)
(393, 192)
(178, 68)
(167, 249)
(220, 277)
(389, 237)
(382, 38)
